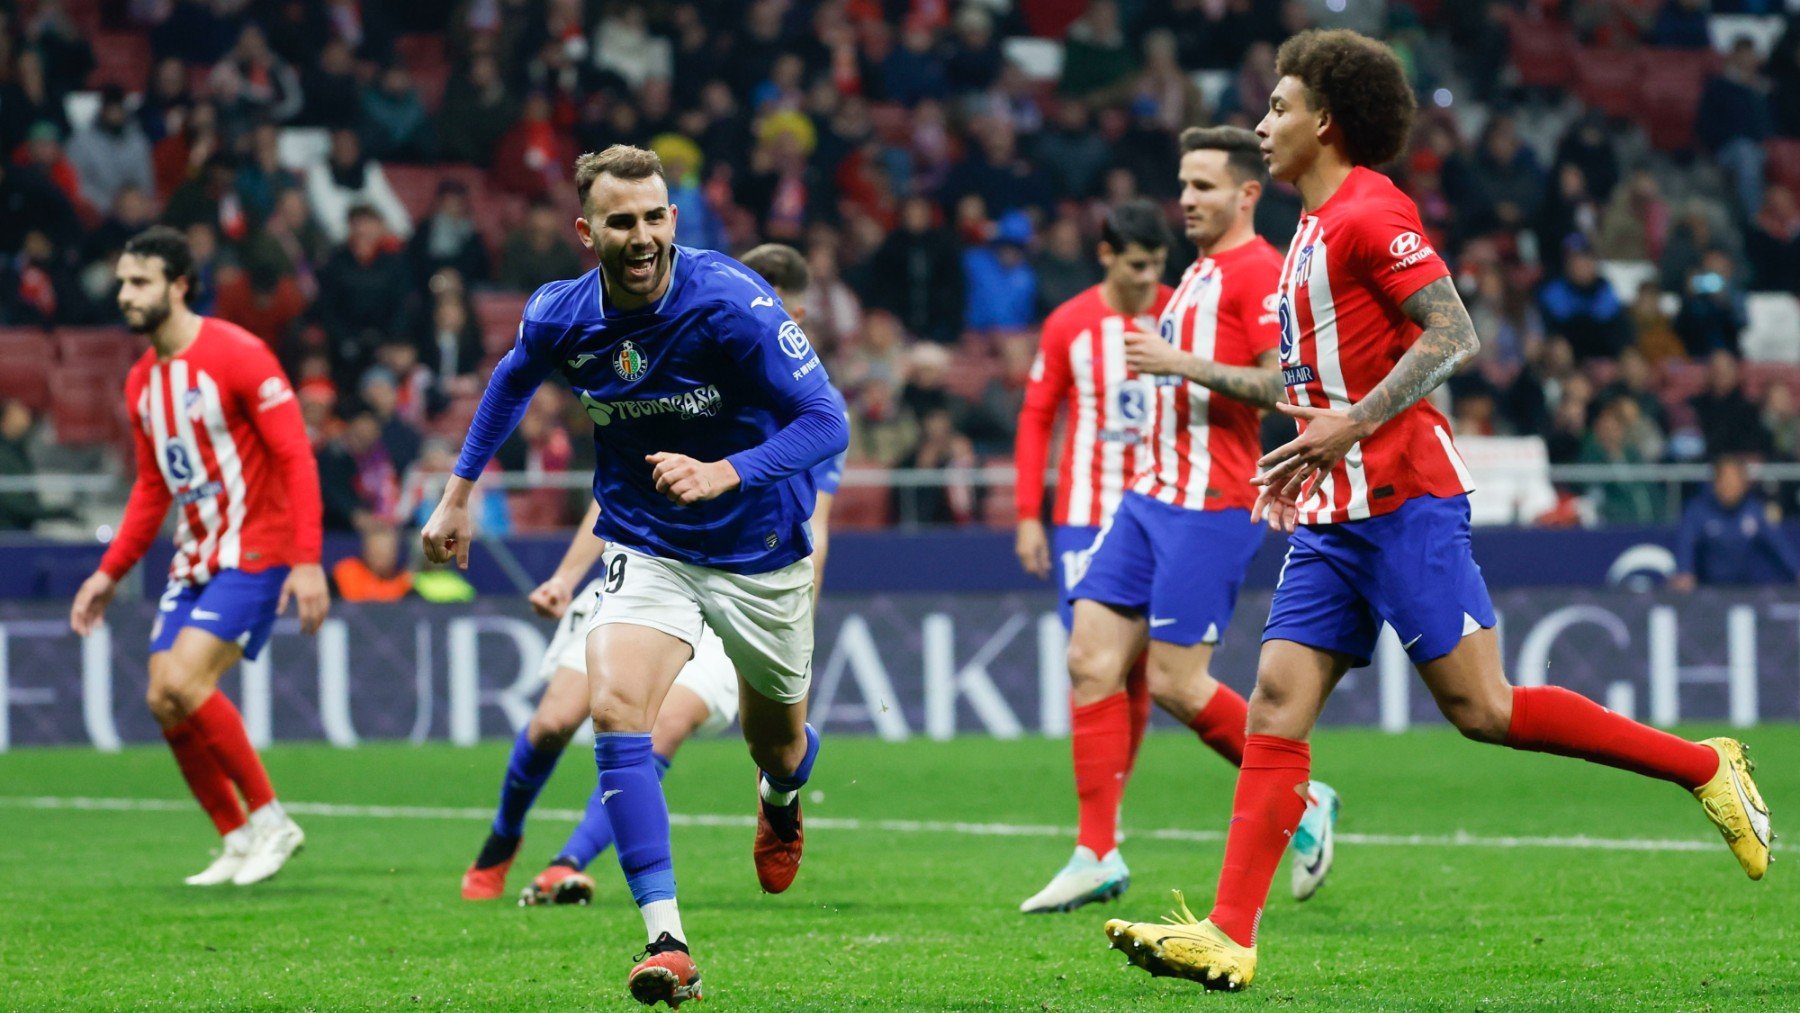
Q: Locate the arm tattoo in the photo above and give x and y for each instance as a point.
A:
(1259, 386)
(1447, 342)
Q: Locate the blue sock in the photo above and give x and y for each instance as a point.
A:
(526, 773)
(594, 834)
(797, 780)
(632, 798)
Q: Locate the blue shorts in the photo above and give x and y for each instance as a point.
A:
(1181, 568)
(1068, 544)
(235, 606)
(1412, 569)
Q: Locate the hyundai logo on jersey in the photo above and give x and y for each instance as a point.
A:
(176, 456)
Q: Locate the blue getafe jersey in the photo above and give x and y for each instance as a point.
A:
(829, 472)
(715, 369)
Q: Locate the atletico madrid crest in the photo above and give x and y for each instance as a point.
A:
(629, 362)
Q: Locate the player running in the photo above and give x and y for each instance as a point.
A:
(1376, 498)
(703, 698)
(1165, 570)
(677, 352)
(218, 433)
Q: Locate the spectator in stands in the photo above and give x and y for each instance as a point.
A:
(1569, 420)
(1097, 56)
(1784, 72)
(533, 156)
(1568, 210)
(834, 314)
(358, 479)
(1507, 184)
(625, 48)
(1734, 120)
(1773, 243)
(914, 70)
(1065, 268)
(1622, 502)
(1508, 323)
(1730, 535)
(184, 152)
(1647, 431)
(59, 42)
(266, 83)
(332, 94)
(380, 396)
(261, 178)
(209, 196)
(1713, 308)
(203, 243)
(448, 335)
(1169, 89)
(447, 237)
(417, 395)
(1681, 24)
(164, 101)
(1656, 337)
(37, 286)
(130, 214)
(291, 237)
(1635, 225)
(972, 56)
(1729, 423)
(19, 510)
(917, 274)
(395, 125)
(360, 294)
(26, 101)
(1071, 153)
(1580, 306)
(1702, 226)
(782, 189)
(349, 179)
(112, 153)
(538, 252)
(198, 32)
(1781, 417)
(697, 225)
(30, 202)
(940, 447)
(1147, 149)
(261, 298)
(476, 112)
(1588, 146)
(377, 574)
(1000, 280)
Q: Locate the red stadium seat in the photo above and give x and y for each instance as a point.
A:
(1669, 96)
(499, 313)
(1609, 80)
(1544, 52)
(1760, 376)
(860, 506)
(453, 424)
(424, 57)
(538, 510)
(416, 185)
(26, 358)
(122, 59)
(86, 405)
(1783, 165)
(999, 507)
(114, 348)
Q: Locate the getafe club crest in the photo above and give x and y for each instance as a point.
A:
(630, 362)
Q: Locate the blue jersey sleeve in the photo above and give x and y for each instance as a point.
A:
(773, 350)
(829, 474)
(508, 394)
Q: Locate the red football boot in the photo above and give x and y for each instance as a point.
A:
(779, 839)
(488, 881)
(665, 973)
(559, 884)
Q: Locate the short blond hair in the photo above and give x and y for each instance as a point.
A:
(621, 160)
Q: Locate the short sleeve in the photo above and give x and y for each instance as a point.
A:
(1391, 249)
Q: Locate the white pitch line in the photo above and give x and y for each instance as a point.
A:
(406, 812)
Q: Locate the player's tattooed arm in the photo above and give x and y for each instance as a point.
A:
(1259, 385)
(1448, 340)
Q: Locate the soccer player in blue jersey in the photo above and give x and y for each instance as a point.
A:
(709, 409)
(704, 697)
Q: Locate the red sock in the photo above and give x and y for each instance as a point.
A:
(1550, 719)
(1101, 739)
(1220, 724)
(1270, 799)
(223, 728)
(1137, 687)
(205, 778)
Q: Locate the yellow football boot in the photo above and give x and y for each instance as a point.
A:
(1735, 806)
(1182, 946)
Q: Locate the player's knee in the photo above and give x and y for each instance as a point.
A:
(550, 735)
(1093, 671)
(1476, 718)
(612, 712)
(779, 758)
(164, 705)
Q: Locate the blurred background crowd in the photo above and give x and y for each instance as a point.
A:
(373, 187)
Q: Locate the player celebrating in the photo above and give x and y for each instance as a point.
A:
(679, 356)
(218, 433)
(1167, 566)
(703, 698)
(1376, 497)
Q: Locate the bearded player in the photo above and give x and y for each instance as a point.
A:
(218, 434)
(710, 409)
(1165, 570)
(703, 699)
(1376, 499)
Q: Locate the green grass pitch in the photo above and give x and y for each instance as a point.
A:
(1427, 908)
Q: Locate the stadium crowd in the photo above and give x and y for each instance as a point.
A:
(371, 186)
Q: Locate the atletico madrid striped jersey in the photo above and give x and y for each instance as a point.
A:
(219, 435)
(1081, 363)
(1352, 264)
(1206, 443)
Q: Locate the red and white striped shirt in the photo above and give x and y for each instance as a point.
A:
(1353, 263)
(218, 434)
(1205, 444)
(1081, 363)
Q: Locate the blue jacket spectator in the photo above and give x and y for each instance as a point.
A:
(1001, 282)
(1582, 307)
(1728, 536)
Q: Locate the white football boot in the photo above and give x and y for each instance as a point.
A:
(1313, 843)
(1085, 880)
(231, 858)
(277, 838)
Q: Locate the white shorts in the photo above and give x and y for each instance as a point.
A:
(708, 674)
(764, 620)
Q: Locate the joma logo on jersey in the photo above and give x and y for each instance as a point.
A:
(629, 362)
(702, 402)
